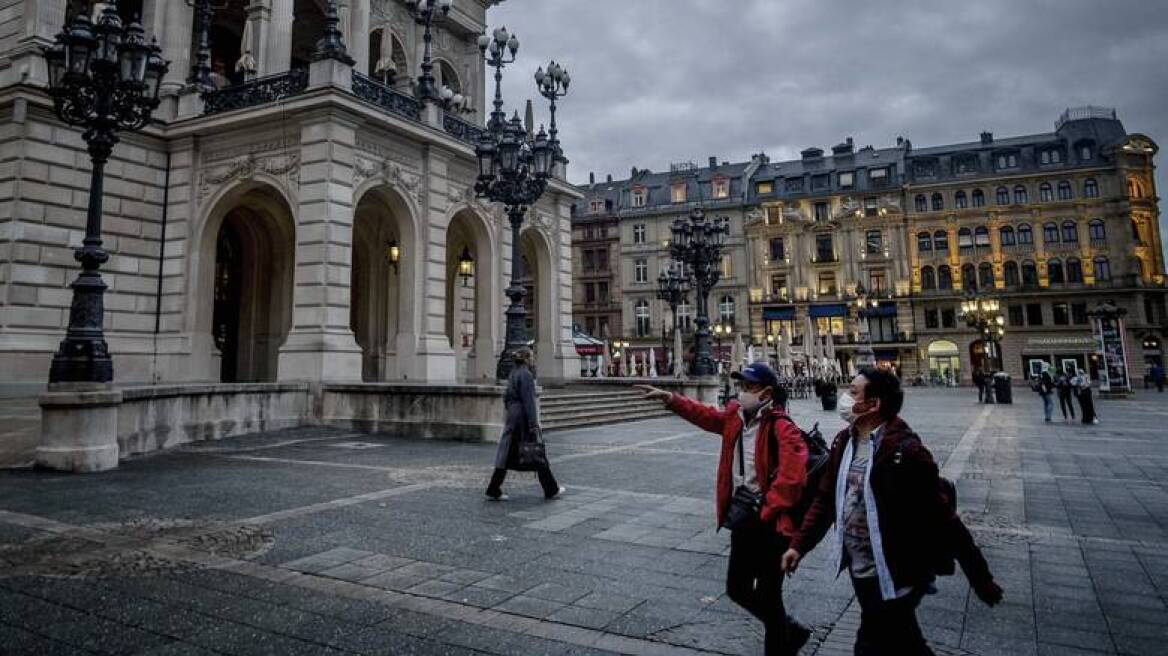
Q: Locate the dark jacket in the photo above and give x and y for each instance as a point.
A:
(780, 458)
(522, 415)
(916, 524)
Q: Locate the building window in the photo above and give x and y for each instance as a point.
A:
(878, 176)
(847, 180)
(922, 203)
(1085, 153)
(1033, 314)
(639, 197)
(589, 293)
(924, 242)
(1006, 235)
(726, 266)
(777, 250)
(870, 206)
(978, 198)
(968, 278)
(965, 240)
(602, 259)
(1070, 232)
(1102, 268)
(1079, 313)
(1008, 161)
(1054, 272)
(640, 271)
(938, 202)
(824, 249)
(1097, 230)
(595, 206)
(726, 309)
(685, 317)
(1050, 233)
(1016, 316)
(821, 212)
(981, 237)
(1002, 196)
(877, 282)
(944, 277)
(827, 284)
(1061, 314)
(928, 279)
(985, 275)
(1020, 195)
(1091, 188)
(1025, 234)
(941, 241)
(1074, 270)
(948, 318)
(602, 292)
(589, 262)
(639, 233)
(644, 323)
(1010, 274)
(779, 285)
(721, 188)
(1064, 190)
(874, 242)
(931, 319)
(1029, 273)
(960, 201)
(766, 187)
(677, 192)
(1045, 192)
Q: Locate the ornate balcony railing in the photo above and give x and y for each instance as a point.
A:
(462, 130)
(259, 91)
(389, 99)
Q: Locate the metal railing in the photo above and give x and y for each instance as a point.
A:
(387, 98)
(462, 130)
(259, 91)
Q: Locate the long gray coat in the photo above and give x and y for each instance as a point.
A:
(522, 415)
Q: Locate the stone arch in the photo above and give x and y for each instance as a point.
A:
(384, 306)
(242, 271)
(536, 249)
(382, 39)
(475, 299)
(447, 74)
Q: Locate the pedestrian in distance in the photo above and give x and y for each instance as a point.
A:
(1066, 393)
(1081, 386)
(760, 479)
(979, 381)
(1043, 384)
(521, 447)
(1157, 374)
(895, 520)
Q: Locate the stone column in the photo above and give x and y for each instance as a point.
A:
(79, 428)
(359, 31)
(321, 345)
(174, 26)
(43, 19)
(277, 38)
(434, 359)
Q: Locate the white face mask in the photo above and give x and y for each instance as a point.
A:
(844, 407)
(749, 401)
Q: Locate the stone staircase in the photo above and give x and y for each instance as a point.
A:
(569, 407)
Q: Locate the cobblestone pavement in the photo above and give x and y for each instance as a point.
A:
(20, 426)
(318, 541)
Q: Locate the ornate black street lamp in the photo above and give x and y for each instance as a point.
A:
(513, 170)
(673, 288)
(985, 316)
(201, 69)
(424, 12)
(103, 78)
(553, 84)
(865, 307)
(697, 243)
(331, 45)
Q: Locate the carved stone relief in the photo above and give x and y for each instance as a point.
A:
(366, 168)
(246, 167)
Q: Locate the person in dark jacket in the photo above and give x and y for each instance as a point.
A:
(893, 522)
(1065, 395)
(522, 424)
(979, 381)
(1044, 385)
(774, 465)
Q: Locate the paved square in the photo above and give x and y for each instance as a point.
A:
(325, 542)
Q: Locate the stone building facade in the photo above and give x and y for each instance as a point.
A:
(596, 289)
(250, 230)
(1051, 225)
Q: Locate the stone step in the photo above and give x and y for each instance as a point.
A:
(546, 409)
(590, 401)
(593, 417)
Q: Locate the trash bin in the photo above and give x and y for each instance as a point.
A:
(828, 394)
(1002, 389)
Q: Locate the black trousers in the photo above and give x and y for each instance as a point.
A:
(1066, 404)
(546, 480)
(981, 392)
(888, 628)
(754, 580)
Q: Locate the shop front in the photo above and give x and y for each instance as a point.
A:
(1070, 354)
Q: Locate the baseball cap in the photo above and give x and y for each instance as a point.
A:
(759, 373)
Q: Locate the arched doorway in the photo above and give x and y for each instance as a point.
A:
(381, 313)
(470, 304)
(251, 304)
(944, 362)
(536, 277)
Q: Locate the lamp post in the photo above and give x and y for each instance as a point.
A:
(466, 266)
(103, 78)
(985, 316)
(673, 288)
(697, 243)
(865, 305)
(618, 347)
(553, 84)
(424, 12)
(513, 170)
(201, 69)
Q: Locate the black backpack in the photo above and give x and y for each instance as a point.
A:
(818, 456)
(945, 556)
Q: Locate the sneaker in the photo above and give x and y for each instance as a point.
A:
(559, 493)
(497, 497)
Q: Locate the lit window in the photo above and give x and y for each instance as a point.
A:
(827, 284)
(765, 187)
(1102, 268)
(1025, 234)
(924, 242)
(847, 179)
(726, 309)
(1097, 230)
(1070, 232)
(1050, 233)
(677, 192)
(1006, 235)
(721, 188)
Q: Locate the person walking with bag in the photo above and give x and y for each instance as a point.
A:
(895, 524)
(761, 473)
(1081, 384)
(521, 447)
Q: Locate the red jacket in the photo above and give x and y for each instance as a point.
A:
(780, 458)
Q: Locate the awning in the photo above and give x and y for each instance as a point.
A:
(885, 309)
(587, 344)
(778, 313)
(830, 310)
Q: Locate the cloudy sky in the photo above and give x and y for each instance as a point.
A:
(659, 81)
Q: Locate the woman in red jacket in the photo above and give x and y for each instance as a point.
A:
(774, 466)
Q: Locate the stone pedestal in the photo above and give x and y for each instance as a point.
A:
(79, 428)
(330, 73)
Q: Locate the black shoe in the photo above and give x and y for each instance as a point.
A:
(797, 636)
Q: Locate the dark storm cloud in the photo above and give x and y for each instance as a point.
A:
(657, 81)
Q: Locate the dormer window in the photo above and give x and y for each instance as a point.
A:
(595, 206)
(721, 188)
(764, 187)
(793, 185)
(820, 182)
(878, 176)
(1007, 160)
(965, 164)
(1051, 156)
(847, 179)
(639, 196)
(1085, 152)
(677, 192)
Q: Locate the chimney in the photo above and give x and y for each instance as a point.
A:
(726, 163)
(987, 138)
(899, 141)
(633, 174)
(848, 141)
(591, 178)
(610, 177)
(811, 153)
(713, 162)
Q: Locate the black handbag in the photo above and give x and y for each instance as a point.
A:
(745, 503)
(531, 454)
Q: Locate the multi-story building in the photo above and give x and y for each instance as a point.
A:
(596, 249)
(1049, 224)
(301, 221)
